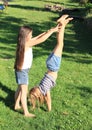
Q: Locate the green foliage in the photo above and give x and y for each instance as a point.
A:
(89, 6)
(72, 96)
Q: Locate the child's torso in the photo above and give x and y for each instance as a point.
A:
(28, 57)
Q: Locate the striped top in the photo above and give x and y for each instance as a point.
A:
(46, 84)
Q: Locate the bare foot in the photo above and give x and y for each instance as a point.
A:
(29, 115)
(17, 107)
(62, 17)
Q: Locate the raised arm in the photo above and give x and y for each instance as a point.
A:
(42, 37)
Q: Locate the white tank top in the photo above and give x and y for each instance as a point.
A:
(28, 58)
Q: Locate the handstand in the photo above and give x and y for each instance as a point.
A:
(42, 91)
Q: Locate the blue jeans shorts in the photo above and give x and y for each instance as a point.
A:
(53, 62)
(22, 76)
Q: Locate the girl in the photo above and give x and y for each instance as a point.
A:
(23, 63)
(42, 91)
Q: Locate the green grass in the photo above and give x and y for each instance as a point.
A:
(72, 96)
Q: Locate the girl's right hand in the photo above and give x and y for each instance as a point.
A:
(55, 29)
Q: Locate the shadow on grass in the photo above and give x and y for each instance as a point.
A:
(10, 25)
(27, 7)
(43, 8)
(9, 30)
(9, 100)
(79, 59)
(85, 89)
(85, 92)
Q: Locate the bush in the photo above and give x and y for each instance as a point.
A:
(83, 2)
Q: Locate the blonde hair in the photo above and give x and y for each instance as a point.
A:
(35, 96)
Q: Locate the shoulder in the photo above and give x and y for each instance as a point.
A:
(27, 48)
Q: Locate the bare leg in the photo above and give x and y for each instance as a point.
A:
(21, 96)
(17, 98)
(58, 48)
(63, 21)
(24, 89)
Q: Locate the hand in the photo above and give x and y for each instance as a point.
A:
(64, 20)
(55, 29)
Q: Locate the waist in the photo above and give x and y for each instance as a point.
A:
(53, 74)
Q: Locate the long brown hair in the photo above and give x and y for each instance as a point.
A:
(21, 40)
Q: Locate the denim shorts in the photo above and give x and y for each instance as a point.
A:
(22, 76)
(53, 62)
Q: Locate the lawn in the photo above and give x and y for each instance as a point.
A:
(72, 95)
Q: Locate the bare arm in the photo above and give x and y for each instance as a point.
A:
(36, 37)
(42, 37)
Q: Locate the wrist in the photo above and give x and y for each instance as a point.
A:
(62, 28)
(51, 30)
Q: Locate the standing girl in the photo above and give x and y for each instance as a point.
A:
(23, 62)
